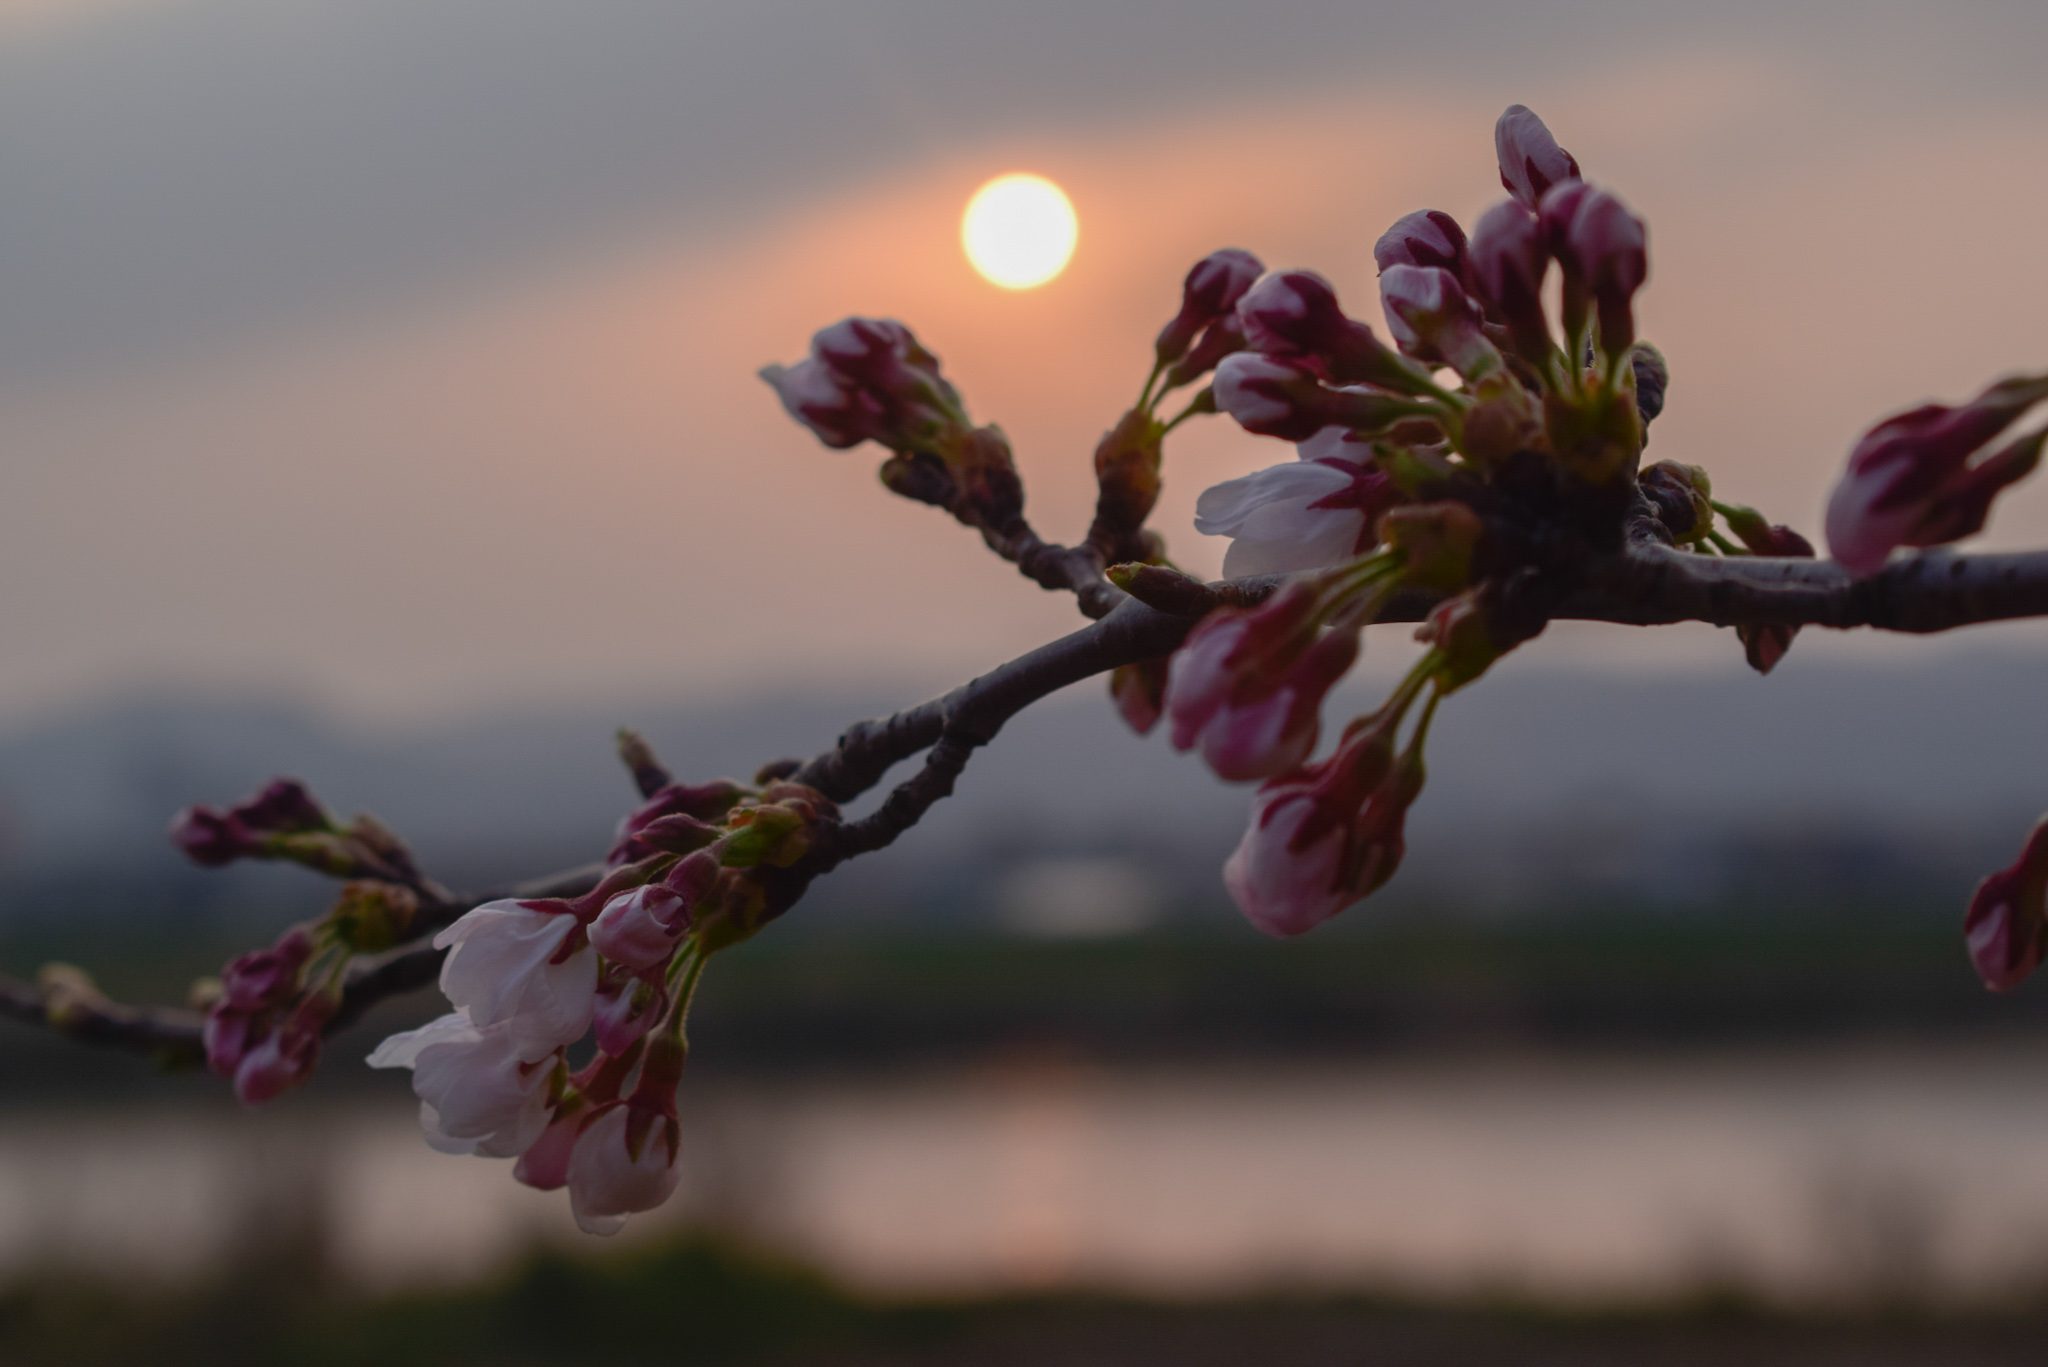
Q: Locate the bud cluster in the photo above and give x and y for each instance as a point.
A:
(870, 379)
(530, 980)
(264, 1027)
(284, 821)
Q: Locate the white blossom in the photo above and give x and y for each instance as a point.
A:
(506, 965)
(477, 1092)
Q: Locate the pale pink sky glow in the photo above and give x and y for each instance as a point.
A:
(567, 485)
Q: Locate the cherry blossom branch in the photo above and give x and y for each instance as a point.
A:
(1648, 583)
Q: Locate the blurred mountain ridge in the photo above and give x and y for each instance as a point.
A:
(1547, 785)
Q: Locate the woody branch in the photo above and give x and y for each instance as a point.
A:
(1484, 476)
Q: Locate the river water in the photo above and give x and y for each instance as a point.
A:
(1805, 1175)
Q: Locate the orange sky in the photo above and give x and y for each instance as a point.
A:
(568, 484)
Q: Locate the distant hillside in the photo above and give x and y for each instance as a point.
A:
(1547, 786)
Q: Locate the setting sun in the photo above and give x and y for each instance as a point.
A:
(1019, 231)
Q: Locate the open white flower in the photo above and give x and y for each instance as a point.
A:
(1308, 515)
(478, 1093)
(610, 1177)
(507, 965)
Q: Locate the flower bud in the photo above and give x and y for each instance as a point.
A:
(1508, 263)
(227, 1038)
(624, 1160)
(1295, 314)
(1433, 320)
(370, 917)
(625, 1012)
(1438, 543)
(1530, 159)
(1459, 630)
(639, 834)
(1427, 237)
(1653, 379)
(1127, 461)
(1210, 292)
(282, 806)
(2006, 926)
(1909, 481)
(837, 414)
(1221, 338)
(868, 379)
(1139, 692)
(1679, 494)
(544, 1165)
(650, 776)
(267, 977)
(1247, 687)
(639, 928)
(1763, 537)
(991, 494)
(1269, 396)
(1764, 645)
(210, 838)
(287, 1055)
(1603, 249)
(1327, 835)
(1275, 397)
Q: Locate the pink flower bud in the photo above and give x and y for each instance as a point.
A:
(1325, 836)
(267, 977)
(1210, 292)
(286, 1056)
(644, 833)
(625, 1012)
(1765, 646)
(1433, 320)
(270, 1069)
(837, 414)
(1604, 251)
(1247, 687)
(1139, 691)
(620, 1168)
(1965, 505)
(1530, 159)
(1440, 543)
(1909, 481)
(1427, 237)
(210, 837)
(1508, 262)
(1679, 495)
(640, 928)
(1269, 396)
(2006, 927)
(1295, 315)
(283, 806)
(227, 1037)
(885, 363)
(1221, 338)
(867, 350)
(868, 379)
(694, 877)
(545, 1164)
(1275, 397)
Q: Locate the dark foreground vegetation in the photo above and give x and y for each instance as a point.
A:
(698, 1302)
